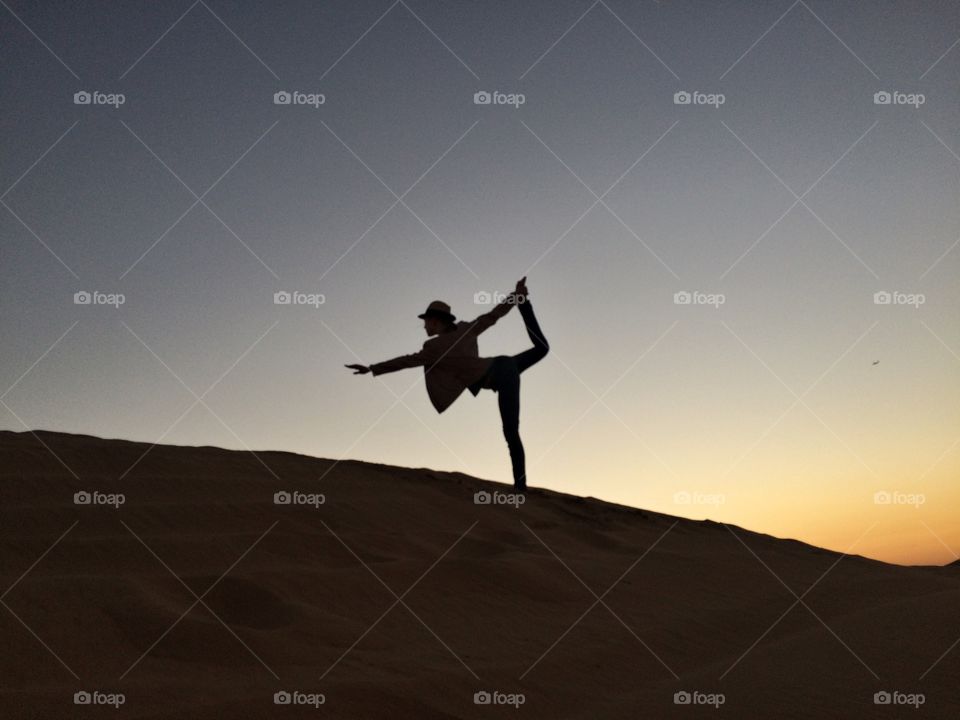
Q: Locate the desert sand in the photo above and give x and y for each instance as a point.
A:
(399, 597)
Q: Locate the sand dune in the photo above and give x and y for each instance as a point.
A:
(501, 599)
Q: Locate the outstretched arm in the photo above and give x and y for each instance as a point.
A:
(398, 363)
(488, 319)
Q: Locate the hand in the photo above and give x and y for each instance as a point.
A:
(359, 369)
(521, 290)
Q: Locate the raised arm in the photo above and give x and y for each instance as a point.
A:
(488, 319)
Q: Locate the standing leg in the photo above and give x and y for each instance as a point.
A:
(540, 345)
(507, 384)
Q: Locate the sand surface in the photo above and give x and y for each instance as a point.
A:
(399, 597)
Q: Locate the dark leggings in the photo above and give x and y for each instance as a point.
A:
(504, 379)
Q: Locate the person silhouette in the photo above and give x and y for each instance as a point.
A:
(451, 364)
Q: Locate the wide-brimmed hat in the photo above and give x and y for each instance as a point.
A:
(438, 309)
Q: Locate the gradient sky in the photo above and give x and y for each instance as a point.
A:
(771, 401)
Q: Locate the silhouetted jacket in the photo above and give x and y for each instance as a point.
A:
(450, 360)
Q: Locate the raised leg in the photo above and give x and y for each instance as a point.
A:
(540, 344)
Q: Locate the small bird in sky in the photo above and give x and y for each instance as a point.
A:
(876, 362)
